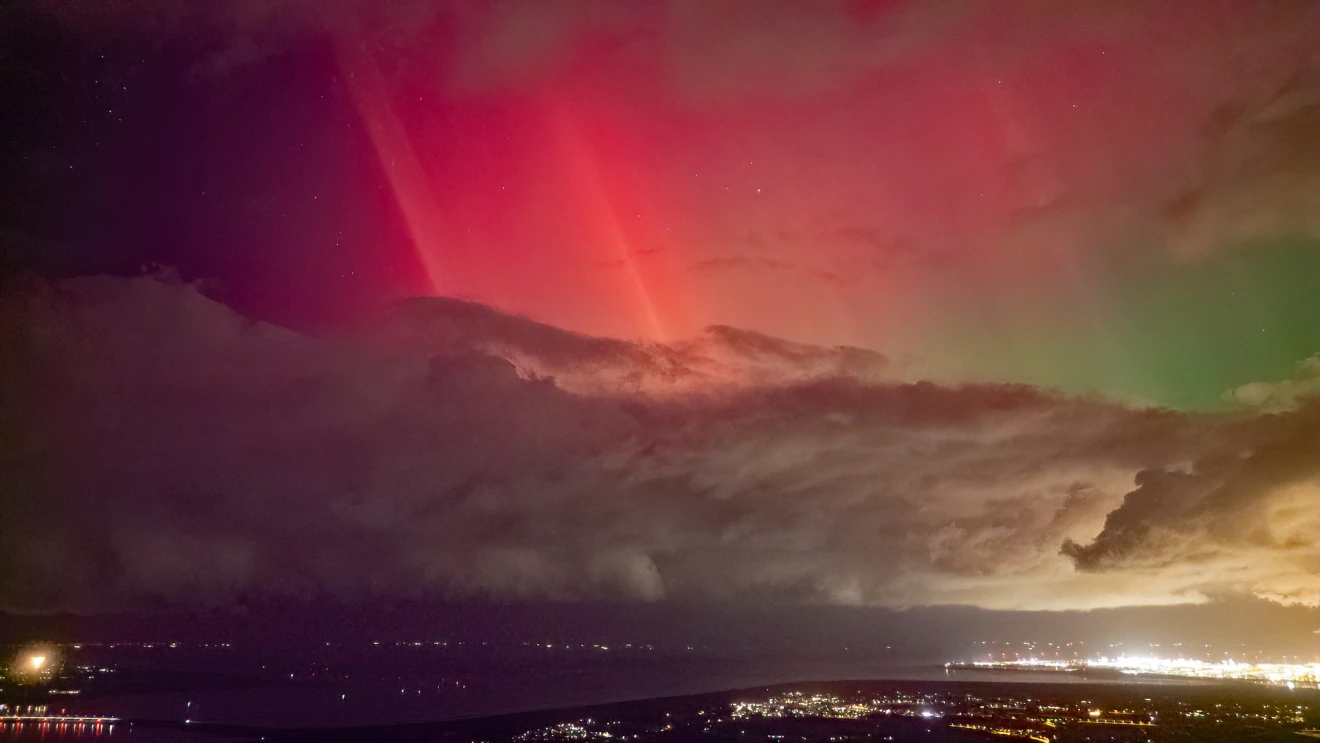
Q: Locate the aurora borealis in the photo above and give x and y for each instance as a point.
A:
(1016, 195)
(1011, 218)
(882, 304)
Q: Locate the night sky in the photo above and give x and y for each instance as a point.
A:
(1010, 306)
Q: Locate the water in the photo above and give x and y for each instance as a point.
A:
(29, 732)
(516, 687)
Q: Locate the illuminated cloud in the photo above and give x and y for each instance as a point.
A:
(936, 173)
(717, 357)
(163, 450)
(1232, 523)
(1282, 395)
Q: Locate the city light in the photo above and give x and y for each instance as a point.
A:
(1283, 674)
(33, 663)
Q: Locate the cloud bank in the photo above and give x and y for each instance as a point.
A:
(159, 449)
(1285, 394)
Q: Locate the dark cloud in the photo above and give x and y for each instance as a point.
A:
(160, 449)
(1240, 522)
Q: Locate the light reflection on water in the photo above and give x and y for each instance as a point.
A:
(54, 732)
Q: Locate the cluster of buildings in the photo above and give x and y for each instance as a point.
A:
(1009, 717)
(797, 704)
(1284, 674)
(581, 730)
(1053, 715)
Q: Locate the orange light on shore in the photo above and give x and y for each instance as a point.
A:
(32, 664)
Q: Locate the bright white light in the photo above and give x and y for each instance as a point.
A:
(37, 662)
(1277, 673)
(927, 713)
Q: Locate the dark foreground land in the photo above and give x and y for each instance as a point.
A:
(159, 705)
(891, 711)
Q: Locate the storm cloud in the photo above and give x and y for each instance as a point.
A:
(160, 449)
